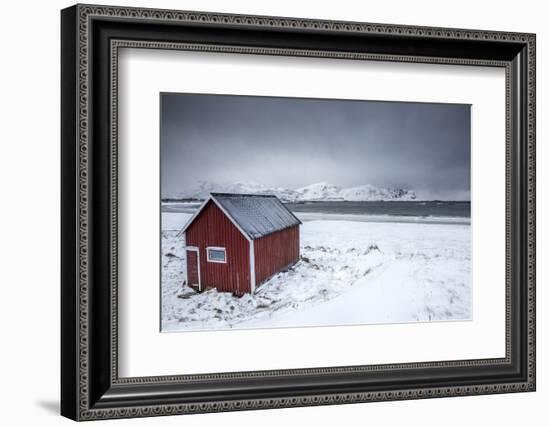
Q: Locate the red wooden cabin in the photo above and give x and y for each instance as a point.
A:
(234, 242)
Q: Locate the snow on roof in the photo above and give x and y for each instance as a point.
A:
(256, 215)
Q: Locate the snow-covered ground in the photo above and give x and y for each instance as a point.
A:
(350, 272)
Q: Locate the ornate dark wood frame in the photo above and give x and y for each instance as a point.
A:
(91, 37)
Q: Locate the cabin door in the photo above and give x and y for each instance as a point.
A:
(193, 268)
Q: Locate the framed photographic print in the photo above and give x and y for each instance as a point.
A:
(263, 212)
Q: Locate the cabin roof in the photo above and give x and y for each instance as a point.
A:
(255, 215)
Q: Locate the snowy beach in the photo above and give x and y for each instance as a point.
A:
(353, 269)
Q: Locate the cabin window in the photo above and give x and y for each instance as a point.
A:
(215, 254)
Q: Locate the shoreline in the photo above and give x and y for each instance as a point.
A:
(351, 217)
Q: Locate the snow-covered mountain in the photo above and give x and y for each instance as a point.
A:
(372, 193)
(321, 191)
(324, 191)
(203, 189)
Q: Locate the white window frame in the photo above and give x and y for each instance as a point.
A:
(219, 249)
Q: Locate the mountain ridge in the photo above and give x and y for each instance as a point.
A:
(320, 191)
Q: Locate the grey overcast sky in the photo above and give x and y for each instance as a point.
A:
(293, 142)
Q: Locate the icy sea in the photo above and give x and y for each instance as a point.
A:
(361, 263)
(364, 211)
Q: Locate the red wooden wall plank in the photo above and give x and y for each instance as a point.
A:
(276, 252)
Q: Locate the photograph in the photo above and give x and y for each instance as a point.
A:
(298, 212)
